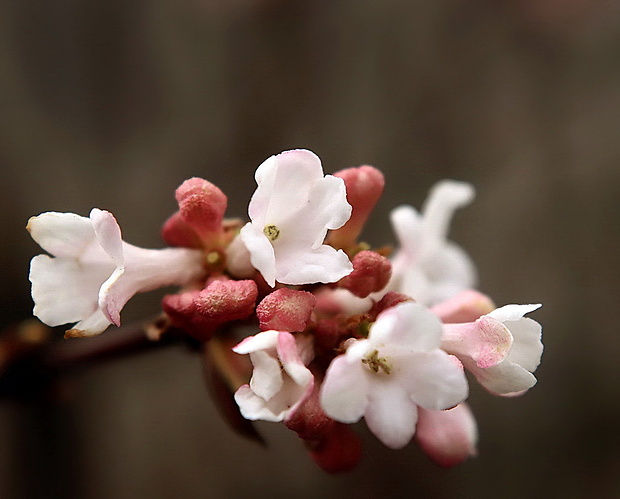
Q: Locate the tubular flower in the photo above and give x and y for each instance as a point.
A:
(427, 266)
(281, 381)
(385, 377)
(291, 211)
(92, 273)
(501, 349)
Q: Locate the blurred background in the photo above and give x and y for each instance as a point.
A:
(113, 103)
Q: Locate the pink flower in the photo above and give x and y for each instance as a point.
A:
(291, 210)
(501, 349)
(386, 377)
(281, 381)
(94, 272)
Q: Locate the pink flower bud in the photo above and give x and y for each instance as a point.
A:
(371, 273)
(467, 306)
(364, 186)
(202, 206)
(199, 313)
(339, 451)
(286, 310)
(176, 232)
(447, 437)
(390, 299)
(309, 420)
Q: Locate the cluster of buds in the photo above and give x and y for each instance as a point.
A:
(342, 331)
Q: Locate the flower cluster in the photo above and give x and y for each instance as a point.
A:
(343, 332)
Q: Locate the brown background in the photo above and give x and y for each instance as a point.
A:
(112, 103)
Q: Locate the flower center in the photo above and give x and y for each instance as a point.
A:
(376, 363)
(272, 232)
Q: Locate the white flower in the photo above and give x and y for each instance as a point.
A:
(280, 381)
(386, 377)
(501, 349)
(94, 273)
(427, 266)
(291, 210)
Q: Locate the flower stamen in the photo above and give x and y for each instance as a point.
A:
(376, 363)
(272, 232)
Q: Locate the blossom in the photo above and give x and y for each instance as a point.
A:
(501, 349)
(280, 381)
(291, 211)
(427, 266)
(92, 272)
(385, 377)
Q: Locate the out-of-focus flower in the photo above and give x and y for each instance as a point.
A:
(501, 349)
(280, 381)
(385, 377)
(94, 273)
(447, 437)
(427, 266)
(291, 211)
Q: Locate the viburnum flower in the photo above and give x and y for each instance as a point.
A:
(291, 211)
(427, 266)
(501, 349)
(280, 381)
(93, 273)
(385, 377)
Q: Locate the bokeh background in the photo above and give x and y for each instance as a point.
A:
(113, 103)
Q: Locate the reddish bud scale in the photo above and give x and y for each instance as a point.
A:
(286, 310)
(371, 273)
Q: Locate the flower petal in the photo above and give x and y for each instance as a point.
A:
(92, 325)
(505, 378)
(527, 348)
(267, 377)
(408, 325)
(63, 291)
(344, 390)
(513, 312)
(434, 380)
(291, 361)
(262, 255)
(323, 264)
(391, 414)
(108, 234)
(61, 234)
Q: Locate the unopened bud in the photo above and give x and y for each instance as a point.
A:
(176, 232)
(364, 186)
(339, 451)
(371, 273)
(199, 313)
(202, 206)
(467, 306)
(447, 437)
(286, 310)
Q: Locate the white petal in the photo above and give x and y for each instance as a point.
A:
(283, 182)
(238, 260)
(444, 199)
(260, 341)
(291, 360)
(513, 312)
(391, 414)
(434, 380)
(108, 234)
(92, 325)
(253, 407)
(63, 291)
(505, 378)
(323, 264)
(261, 251)
(527, 348)
(61, 234)
(344, 394)
(267, 377)
(407, 225)
(410, 326)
